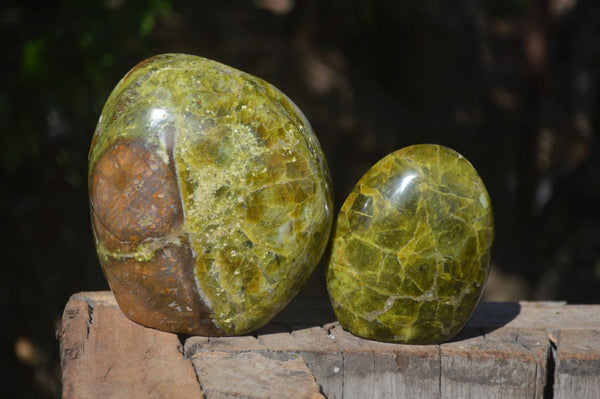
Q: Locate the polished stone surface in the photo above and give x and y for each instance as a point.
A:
(411, 247)
(210, 197)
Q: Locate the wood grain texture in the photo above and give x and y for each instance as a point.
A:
(105, 355)
(254, 375)
(384, 370)
(318, 350)
(506, 363)
(516, 350)
(577, 372)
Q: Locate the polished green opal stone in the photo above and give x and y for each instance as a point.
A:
(210, 196)
(411, 247)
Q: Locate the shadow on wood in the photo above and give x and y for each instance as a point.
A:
(488, 316)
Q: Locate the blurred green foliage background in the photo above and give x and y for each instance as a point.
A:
(512, 85)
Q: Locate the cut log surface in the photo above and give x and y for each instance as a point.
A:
(104, 355)
(516, 350)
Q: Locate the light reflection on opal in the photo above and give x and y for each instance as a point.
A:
(157, 115)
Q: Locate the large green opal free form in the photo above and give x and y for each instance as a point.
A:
(411, 248)
(210, 197)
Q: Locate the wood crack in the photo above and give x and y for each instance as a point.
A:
(550, 369)
(90, 320)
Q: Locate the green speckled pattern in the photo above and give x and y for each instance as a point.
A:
(411, 247)
(254, 185)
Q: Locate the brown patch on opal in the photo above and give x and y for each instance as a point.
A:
(134, 196)
(147, 260)
(162, 293)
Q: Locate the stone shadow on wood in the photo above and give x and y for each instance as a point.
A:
(301, 312)
(306, 312)
(488, 316)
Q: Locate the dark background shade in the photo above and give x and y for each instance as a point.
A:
(512, 85)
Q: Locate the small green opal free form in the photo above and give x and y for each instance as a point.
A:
(210, 197)
(411, 247)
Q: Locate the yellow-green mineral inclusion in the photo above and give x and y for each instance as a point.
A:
(254, 183)
(411, 247)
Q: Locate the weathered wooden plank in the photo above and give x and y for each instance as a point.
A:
(318, 350)
(74, 332)
(105, 355)
(538, 344)
(381, 370)
(327, 363)
(504, 351)
(312, 344)
(253, 375)
(577, 373)
(505, 363)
